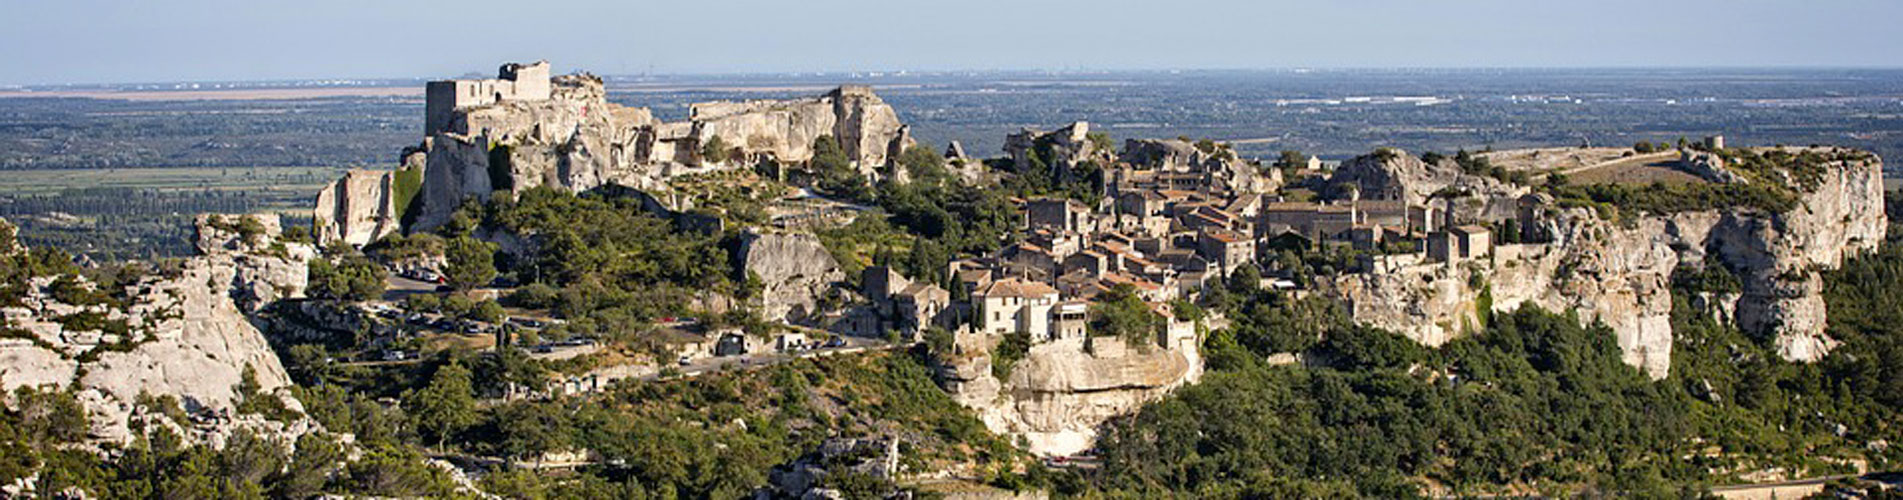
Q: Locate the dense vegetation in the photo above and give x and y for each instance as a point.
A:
(1533, 403)
(605, 253)
(713, 436)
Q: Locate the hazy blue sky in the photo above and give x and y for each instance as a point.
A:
(57, 41)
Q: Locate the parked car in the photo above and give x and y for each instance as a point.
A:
(836, 342)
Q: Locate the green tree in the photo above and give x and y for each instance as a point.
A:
(835, 172)
(352, 277)
(308, 363)
(471, 263)
(1119, 312)
(422, 302)
(714, 150)
(924, 165)
(530, 429)
(446, 406)
(488, 311)
(398, 472)
(1291, 159)
(313, 462)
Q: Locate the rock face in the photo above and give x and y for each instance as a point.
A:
(795, 269)
(1222, 167)
(189, 336)
(865, 126)
(1063, 148)
(358, 208)
(575, 139)
(1621, 273)
(1392, 174)
(1062, 392)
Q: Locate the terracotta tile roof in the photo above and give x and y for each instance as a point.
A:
(1224, 236)
(1140, 283)
(1014, 287)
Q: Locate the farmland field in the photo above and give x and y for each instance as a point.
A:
(118, 213)
(287, 181)
(1634, 171)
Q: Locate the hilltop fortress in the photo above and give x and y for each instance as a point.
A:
(1425, 246)
(526, 128)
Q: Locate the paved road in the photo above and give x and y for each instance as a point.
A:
(1795, 488)
(398, 287)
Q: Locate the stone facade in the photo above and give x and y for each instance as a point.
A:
(513, 82)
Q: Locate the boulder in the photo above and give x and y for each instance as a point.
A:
(795, 270)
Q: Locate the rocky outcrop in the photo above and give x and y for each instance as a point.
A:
(185, 335)
(1393, 174)
(358, 208)
(1220, 166)
(795, 271)
(1058, 396)
(866, 127)
(802, 478)
(1778, 257)
(1620, 273)
(1709, 166)
(1059, 150)
(576, 139)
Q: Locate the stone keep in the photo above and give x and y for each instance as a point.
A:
(513, 82)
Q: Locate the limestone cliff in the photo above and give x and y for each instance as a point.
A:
(795, 271)
(1059, 150)
(1062, 391)
(185, 334)
(1223, 168)
(577, 140)
(867, 128)
(1620, 272)
(358, 208)
(1393, 174)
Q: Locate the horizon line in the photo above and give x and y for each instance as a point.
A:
(903, 72)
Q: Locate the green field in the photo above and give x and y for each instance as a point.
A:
(265, 180)
(147, 212)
